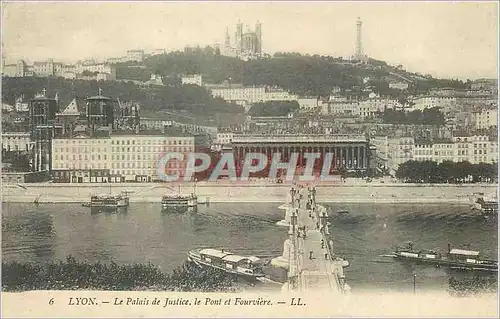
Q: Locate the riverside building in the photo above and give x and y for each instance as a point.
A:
(350, 152)
(471, 148)
(119, 156)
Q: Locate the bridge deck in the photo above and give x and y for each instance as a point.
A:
(315, 268)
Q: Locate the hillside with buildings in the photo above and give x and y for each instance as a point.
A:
(299, 74)
(374, 117)
(190, 98)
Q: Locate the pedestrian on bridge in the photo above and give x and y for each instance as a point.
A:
(310, 255)
(322, 244)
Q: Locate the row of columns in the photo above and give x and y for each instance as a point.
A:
(350, 157)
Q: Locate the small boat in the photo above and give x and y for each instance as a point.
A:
(176, 201)
(250, 267)
(458, 259)
(342, 212)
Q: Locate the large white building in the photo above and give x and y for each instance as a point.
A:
(474, 149)
(124, 156)
(426, 102)
(369, 108)
(337, 107)
(487, 118)
(240, 94)
(399, 150)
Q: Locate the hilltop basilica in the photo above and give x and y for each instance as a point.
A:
(246, 45)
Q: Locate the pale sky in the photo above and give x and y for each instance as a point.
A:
(445, 39)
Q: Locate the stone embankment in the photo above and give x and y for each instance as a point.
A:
(249, 192)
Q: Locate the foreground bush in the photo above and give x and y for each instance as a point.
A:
(462, 287)
(72, 275)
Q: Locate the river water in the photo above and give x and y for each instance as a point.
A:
(144, 234)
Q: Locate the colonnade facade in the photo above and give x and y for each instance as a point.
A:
(351, 156)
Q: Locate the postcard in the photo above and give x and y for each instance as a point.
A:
(249, 159)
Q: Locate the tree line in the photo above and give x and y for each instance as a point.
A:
(429, 116)
(273, 108)
(74, 275)
(446, 172)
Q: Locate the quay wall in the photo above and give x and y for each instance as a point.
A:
(234, 192)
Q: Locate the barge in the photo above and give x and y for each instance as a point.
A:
(248, 267)
(457, 259)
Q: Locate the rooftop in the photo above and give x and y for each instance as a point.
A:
(423, 141)
(99, 97)
(297, 138)
(167, 132)
(442, 141)
(214, 252)
(461, 134)
(464, 252)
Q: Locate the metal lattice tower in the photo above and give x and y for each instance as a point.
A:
(359, 45)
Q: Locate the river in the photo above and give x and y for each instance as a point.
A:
(144, 234)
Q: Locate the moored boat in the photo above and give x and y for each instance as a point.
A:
(458, 259)
(179, 201)
(485, 204)
(488, 205)
(249, 267)
(108, 202)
